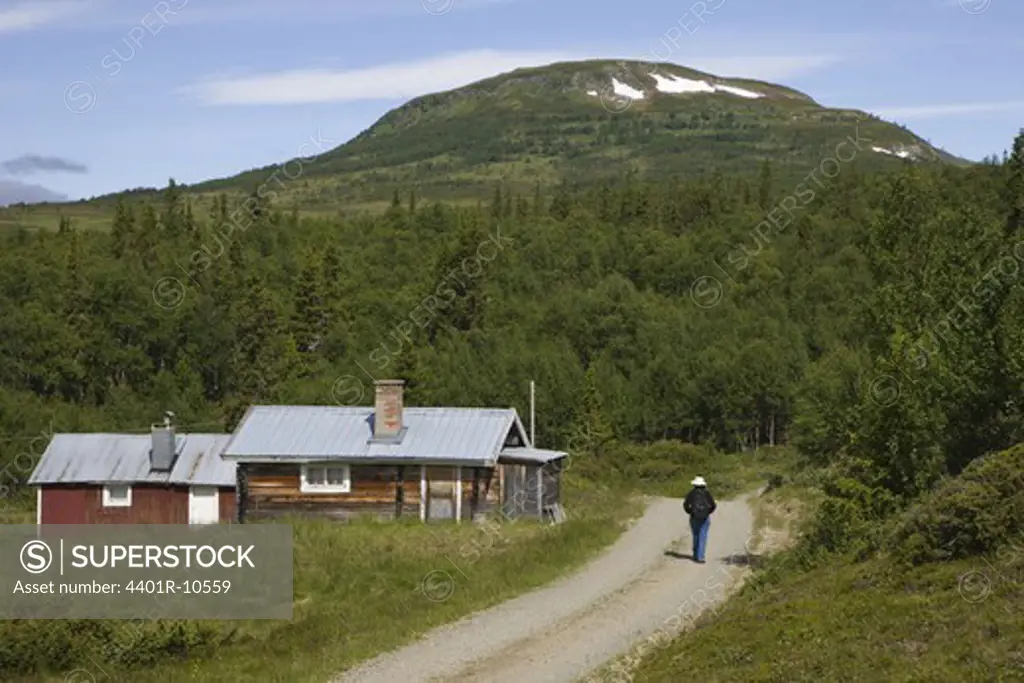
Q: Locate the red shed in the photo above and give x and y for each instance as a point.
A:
(162, 478)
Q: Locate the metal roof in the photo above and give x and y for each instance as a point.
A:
(124, 458)
(537, 455)
(438, 435)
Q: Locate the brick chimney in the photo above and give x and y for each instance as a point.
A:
(387, 415)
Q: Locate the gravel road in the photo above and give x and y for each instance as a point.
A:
(635, 594)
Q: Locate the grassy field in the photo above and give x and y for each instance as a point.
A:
(360, 589)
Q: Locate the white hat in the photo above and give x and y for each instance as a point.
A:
(699, 481)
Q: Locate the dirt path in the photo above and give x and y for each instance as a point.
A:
(630, 594)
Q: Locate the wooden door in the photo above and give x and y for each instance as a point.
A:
(440, 493)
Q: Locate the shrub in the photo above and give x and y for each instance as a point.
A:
(37, 646)
(972, 514)
(851, 517)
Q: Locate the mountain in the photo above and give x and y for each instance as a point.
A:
(17, 192)
(583, 122)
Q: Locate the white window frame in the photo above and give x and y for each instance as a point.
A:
(109, 502)
(307, 487)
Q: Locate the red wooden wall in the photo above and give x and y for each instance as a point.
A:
(150, 505)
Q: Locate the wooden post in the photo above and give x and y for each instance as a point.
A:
(501, 488)
(399, 490)
(458, 494)
(475, 500)
(241, 492)
(423, 493)
(540, 493)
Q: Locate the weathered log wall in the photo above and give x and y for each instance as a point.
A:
(274, 490)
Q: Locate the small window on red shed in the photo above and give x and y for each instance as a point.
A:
(117, 496)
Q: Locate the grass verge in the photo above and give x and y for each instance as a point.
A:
(875, 620)
(858, 622)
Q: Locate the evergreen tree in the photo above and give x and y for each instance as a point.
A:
(1015, 188)
(190, 226)
(497, 205)
(122, 229)
(172, 220)
(147, 237)
(310, 307)
(464, 276)
(75, 297)
(765, 189)
(332, 277)
(592, 432)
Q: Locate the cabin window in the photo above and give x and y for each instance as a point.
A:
(326, 479)
(117, 496)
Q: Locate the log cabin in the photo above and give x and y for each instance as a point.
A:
(436, 463)
(160, 478)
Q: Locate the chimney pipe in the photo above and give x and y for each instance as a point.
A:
(387, 412)
(163, 450)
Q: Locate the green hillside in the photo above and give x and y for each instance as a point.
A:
(563, 122)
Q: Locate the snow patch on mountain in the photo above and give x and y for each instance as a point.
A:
(623, 90)
(676, 85)
(901, 152)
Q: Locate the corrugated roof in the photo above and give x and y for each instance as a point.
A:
(457, 435)
(124, 458)
(537, 455)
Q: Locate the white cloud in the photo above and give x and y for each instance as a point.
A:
(405, 80)
(390, 81)
(25, 16)
(320, 12)
(932, 111)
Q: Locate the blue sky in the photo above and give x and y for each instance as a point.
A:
(137, 91)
